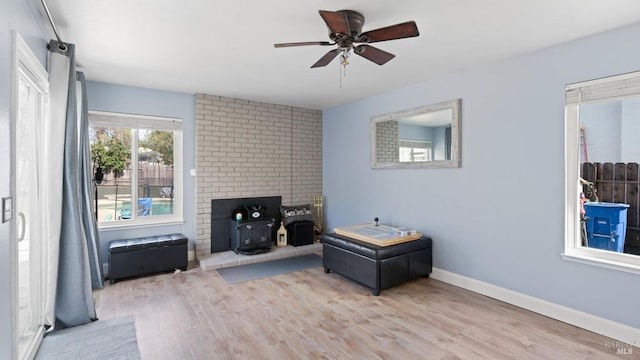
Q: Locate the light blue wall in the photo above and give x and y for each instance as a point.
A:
(500, 217)
(439, 135)
(413, 132)
(630, 118)
(140, 101)
(20, 16)
(611, 130)
(602, 125)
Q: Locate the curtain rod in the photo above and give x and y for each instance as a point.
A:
(53, 25)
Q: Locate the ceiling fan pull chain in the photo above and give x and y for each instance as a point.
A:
(344, 55)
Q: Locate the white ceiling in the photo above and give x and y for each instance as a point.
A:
(226, 47)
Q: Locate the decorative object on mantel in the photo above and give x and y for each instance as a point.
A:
(318, 213)
(282, 235)
(296, 213)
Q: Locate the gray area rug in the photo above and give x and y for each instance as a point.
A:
(270, 268)
(113, 338)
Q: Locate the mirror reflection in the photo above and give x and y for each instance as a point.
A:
(424, 137)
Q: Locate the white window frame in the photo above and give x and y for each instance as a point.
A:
(610, 88)
(134, 121)
(416, 144)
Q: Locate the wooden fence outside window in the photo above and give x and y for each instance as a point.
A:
(618, 183)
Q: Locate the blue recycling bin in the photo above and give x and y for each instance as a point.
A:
(606, 225)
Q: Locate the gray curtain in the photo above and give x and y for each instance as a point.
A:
(88, 190)
(78, 262)
(447, 143)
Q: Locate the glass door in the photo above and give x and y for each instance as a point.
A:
(31, 101)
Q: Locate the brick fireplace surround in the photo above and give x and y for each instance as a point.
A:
(251, 149)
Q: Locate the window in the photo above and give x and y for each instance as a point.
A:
(602, 157)
(136, 157)
(415, 151)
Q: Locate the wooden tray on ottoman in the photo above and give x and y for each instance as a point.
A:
(381, 235)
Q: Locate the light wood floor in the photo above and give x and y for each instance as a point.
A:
(313, 315)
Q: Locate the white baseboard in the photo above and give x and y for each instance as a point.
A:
(191, 255)
(608, 328)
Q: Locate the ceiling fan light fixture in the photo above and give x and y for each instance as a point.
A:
(344, 56)
(345, 30)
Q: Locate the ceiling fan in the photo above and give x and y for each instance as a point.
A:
(345, 31)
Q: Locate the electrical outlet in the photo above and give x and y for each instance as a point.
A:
(7, 209)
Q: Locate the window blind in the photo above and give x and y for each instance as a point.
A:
(611, 88)
(415, 144)
(111, 120)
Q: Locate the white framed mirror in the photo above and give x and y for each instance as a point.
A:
(419, 138)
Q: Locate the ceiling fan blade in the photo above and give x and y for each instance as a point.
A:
(374, 54)
(398, 31)
(303, 44)
(326, 59)
(336, 21)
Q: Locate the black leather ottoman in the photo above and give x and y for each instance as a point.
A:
(375, 266)
(146, 255)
